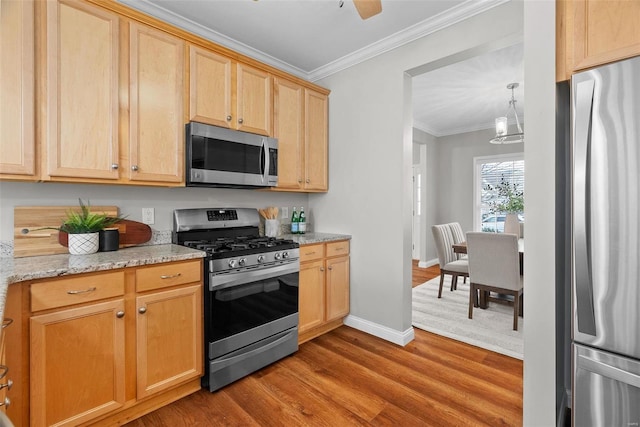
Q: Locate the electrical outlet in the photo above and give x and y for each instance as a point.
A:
(148, 216)
(285, 212)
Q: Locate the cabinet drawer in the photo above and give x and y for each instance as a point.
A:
(338, 248)
(76, 289)
(168, 274)
(311, 252)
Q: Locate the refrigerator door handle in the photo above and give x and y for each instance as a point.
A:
(582, 280)
(609, 371)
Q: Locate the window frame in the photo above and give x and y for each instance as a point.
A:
(477, 180)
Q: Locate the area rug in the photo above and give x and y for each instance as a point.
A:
(491, 328)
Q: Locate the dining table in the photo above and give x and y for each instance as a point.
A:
(461, 248)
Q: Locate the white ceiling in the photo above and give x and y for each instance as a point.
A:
(315, 38)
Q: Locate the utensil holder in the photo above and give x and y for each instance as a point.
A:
(271, 227)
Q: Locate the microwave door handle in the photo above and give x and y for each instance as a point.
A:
(264, 160)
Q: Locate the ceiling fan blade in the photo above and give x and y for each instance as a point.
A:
(368, 8)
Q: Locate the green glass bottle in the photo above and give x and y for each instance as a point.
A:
(302, 223)
(294, 222)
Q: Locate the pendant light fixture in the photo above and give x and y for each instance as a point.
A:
(502, 123)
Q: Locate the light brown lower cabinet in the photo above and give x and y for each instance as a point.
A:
(105, 348)
(324, 288)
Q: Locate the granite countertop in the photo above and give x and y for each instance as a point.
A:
(310, 238)
(14, 270)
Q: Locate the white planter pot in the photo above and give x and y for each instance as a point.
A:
(83, 244)
(511, 224)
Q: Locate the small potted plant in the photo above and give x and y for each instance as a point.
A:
(509, 199)
(83, 228)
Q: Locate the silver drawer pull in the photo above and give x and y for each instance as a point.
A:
(6, 322)
(8, 385)
(172, 276)
(6, 403)
(4, 370)
(120, 314)
(142, 310)
(82, 291)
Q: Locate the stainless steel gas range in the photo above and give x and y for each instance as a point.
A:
(251, 291)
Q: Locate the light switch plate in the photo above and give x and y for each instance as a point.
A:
(148, 216)
(285, 212)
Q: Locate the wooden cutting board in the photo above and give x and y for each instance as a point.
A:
(131, 233)
(29, 241)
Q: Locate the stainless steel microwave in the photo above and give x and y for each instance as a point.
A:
(220, 157)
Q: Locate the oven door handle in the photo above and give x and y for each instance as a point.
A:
(221, 281)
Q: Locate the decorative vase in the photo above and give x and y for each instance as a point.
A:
(83, 244)
(511, 225)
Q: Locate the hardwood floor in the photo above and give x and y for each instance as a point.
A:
(421, 275)
(349, 378)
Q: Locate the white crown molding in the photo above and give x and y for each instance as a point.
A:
(214, 36)
(428, 26)
(421, 29)
(461, 129)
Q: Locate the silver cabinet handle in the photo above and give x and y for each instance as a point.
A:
(84, 291)
(134, 168)
(6, 322)
(240, 121)
(6, 403)
(171, 276)
(7, 385)
(114, 166)
(229, 118)
(330, 268)
(120, 314)
(142, 310)
(321, 268)
(308, 180)
(299, 180)
(4, 370)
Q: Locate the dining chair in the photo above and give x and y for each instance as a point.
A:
(458, 235)
(449, 264)
(494, 266)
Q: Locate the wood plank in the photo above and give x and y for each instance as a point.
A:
(363, 380)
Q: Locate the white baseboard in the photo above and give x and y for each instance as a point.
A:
(429, 263)
(388, 334)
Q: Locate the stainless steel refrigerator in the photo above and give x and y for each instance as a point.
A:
(605, 108)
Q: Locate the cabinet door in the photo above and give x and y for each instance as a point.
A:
(17, 128)
(156, 125)
(311, 296)
(254, 100)
(287, 127)
(209, 87)
(316, 141)
(169, 343)
(605, 31)
(81, 91)
(337, 288)
(77, 364)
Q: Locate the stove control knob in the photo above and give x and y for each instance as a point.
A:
(242, 262)
(232, 263)
(277, 255)
(260, 258)
(285, 255)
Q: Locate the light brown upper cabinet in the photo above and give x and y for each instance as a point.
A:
(82, 84)
(209, 87)
(300, 125)
(595, 32)
(216, 100)
(99, 67)
(156, 127)
(17, 50)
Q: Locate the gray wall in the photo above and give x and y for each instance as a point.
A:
(131, 200)
(449, 168)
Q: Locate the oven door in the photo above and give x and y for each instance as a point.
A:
(248, 306)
